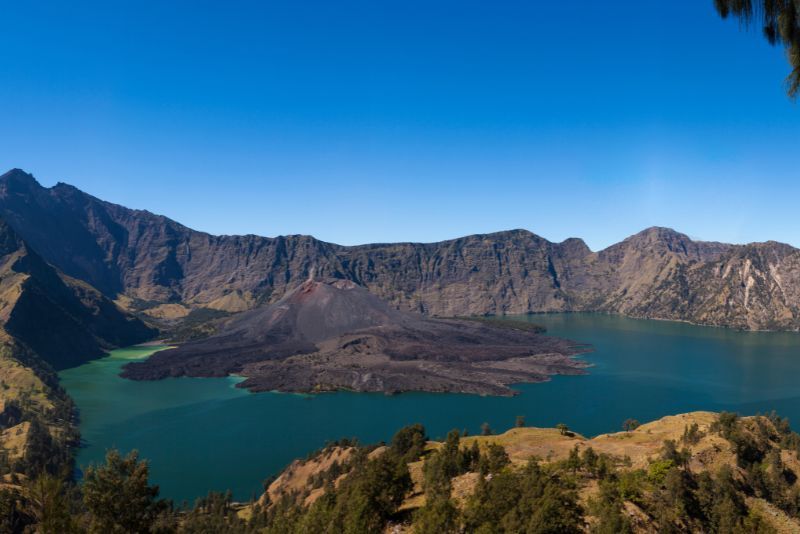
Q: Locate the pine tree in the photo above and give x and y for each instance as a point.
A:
(780, 20)
(119, 497)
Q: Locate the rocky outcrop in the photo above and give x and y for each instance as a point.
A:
(751, 287)
(658, 273)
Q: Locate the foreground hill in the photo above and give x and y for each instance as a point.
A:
(148, 261)
(696, 472)
(334, 334)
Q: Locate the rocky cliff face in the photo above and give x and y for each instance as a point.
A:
(755, 287)
(658, 273)
(63, 321)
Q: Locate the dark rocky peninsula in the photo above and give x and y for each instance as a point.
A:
(333, 334)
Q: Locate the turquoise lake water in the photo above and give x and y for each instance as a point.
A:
(201, 434)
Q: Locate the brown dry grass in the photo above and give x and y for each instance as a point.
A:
(235, 301)
(639, 446)
(297, 477)
(13, 440)
(782, 523)
(168, 312)
(525, 443)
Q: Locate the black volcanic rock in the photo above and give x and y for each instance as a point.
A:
(337, 335)
(657, 273)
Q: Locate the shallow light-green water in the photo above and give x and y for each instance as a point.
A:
(204, 433)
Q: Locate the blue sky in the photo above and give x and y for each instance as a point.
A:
(397, 121)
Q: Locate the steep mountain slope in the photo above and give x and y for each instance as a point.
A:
(755, 286)
(63, 321)
(334, 334)
(150, 260)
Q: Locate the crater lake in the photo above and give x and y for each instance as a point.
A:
(202, 434)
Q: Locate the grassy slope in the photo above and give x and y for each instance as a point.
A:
(633, 450)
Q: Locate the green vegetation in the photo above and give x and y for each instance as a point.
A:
(118, 497)
(780, 20)
(36, 456)
(363, 501)
(459, 487)
(509, 324)
(200, 323)
(533, 499)
(630, 425)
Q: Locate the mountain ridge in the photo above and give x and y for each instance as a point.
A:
(64, 321)
(656, 273)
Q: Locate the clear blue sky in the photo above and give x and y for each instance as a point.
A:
(415, 120)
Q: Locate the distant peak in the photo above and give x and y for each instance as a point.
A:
(18, 176)
(516, 233)
(575, 242)
(658, 233)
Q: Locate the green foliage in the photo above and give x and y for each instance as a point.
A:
(363, 494)
(200, 323)
(726, 422)
(470, 459)
(657, 472)
(369, 495)
(362, 502)
(44, 453)
(670, 452)
(679, 492)
(562, 428)
(530, 500)
(590, 460)
(213, 513)
(328, 476)
(438, 516)
(630, 425)
(607, 508)
(12, 517)
(631, 485)
(573, 462)
(449, 461)
(118, 496)
(780, 20)
(507, 323)
(409, 442)
(486, 430)
(749, 447)
(51, 504)
(605, 466)
(755, 524)
(691, 434)
(494, 460)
